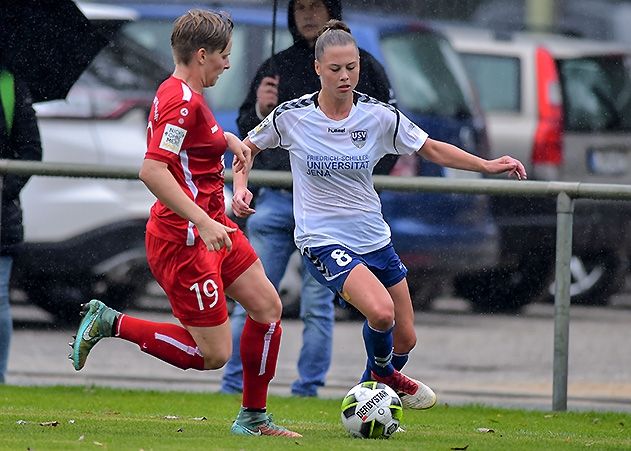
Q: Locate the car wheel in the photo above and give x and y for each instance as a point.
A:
(594, 277)
(290, 287)
(291, 303)
(63, 298)
(424, 288)
(502, 290)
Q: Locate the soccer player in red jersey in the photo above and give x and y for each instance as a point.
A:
(196, 253)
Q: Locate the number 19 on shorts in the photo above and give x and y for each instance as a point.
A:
(205, 291)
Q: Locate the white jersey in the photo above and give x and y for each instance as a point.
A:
(332, 161)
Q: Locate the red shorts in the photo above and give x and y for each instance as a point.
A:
(194, 278)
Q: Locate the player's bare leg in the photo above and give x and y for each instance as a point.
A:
(372, 299)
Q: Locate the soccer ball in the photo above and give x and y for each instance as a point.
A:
(371, 410)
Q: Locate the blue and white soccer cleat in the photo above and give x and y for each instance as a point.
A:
(259, 423)
(98, 320)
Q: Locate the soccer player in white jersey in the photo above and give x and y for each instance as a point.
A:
(335, 137)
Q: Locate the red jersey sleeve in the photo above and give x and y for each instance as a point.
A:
(172, 132)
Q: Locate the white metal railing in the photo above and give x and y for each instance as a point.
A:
(565, 192)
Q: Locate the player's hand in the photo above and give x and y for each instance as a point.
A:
(216, 235)
(241, 200)
(267, 94)
(511, 165)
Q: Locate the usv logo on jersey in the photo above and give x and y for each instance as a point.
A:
(358, 137)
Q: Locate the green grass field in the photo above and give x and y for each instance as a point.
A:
(66, 418)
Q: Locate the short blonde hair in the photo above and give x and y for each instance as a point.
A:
(200, 29)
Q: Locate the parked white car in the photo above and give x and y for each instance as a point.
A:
(84, 237)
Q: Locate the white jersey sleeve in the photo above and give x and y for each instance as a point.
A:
(266, 134)
(403, 136)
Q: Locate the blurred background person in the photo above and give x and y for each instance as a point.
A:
(19, 140)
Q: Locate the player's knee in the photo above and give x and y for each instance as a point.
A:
(381, 318)
(215, 362)
(275, 308)
(267, 311)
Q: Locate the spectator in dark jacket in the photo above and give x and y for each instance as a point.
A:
(19, 140)
(285, 76)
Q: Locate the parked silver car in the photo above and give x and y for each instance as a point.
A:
(595, 19)
(563, 106)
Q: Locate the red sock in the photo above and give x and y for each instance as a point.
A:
(259, 353)
(168, 342)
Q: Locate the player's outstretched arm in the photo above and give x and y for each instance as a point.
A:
(448, 155)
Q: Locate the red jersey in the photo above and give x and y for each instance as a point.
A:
(183, 133)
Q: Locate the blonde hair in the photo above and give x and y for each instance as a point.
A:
(198, 29)
(333, 33)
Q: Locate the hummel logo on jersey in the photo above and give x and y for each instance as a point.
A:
(329, 277)
(358, 138)
(337, 130)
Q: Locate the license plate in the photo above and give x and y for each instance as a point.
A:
(608, 161)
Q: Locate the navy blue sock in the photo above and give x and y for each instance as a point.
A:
(379, 349)
(399, 360)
